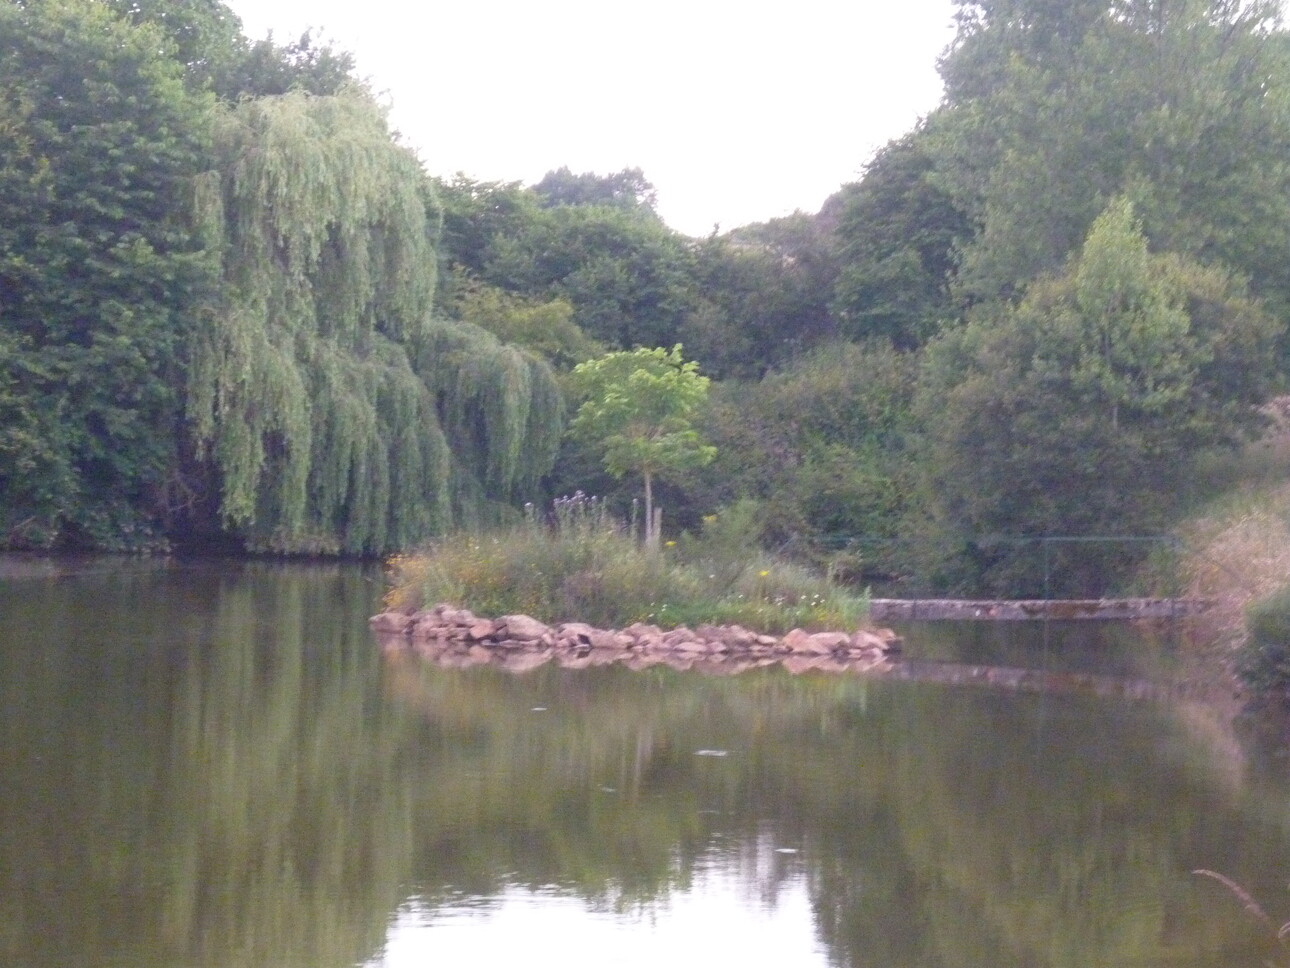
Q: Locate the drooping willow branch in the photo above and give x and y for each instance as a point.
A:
(339, 414)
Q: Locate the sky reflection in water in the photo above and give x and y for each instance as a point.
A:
(715, 922)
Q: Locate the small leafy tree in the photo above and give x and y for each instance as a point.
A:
(639, 406)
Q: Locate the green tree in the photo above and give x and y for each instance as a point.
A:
(543, 327)
(626, 274)
(1078, 410)
(823, 446)
(639, 408)
(265, 67)
(100, 141)
(898, 238)
(206, 38)
(205, 35)
(628, 189)
(761, 295)
(1053, 109)
(334, 411)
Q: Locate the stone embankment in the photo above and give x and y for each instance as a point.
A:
(453, 636)
(1105, 609)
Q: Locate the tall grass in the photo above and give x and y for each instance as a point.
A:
(1237, 556)
(579, 564)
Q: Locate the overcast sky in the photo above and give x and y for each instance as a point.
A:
(736, 111)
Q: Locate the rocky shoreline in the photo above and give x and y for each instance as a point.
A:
(449, 635)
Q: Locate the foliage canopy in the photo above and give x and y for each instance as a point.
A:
(1074, 411)
(639, 408)
(100, 140)
(334, 408)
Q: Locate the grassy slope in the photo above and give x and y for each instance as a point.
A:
(1237, 543)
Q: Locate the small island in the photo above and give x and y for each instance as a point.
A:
(453, 636)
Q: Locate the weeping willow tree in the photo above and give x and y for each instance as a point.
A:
(336, 413)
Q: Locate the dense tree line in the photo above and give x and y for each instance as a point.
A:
(233, 306)
(217, 272)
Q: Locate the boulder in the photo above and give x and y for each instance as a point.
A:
(523, 627)
(678, 635)
(639, 630)
(795, 641)
(455, 616)
(481, 630)
(428, 627)
(453, 636)
(692, 647)
(825, 643)
(574, 634)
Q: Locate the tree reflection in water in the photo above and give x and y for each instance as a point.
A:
(216, 767)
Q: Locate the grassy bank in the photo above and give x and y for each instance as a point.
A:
(1237, 552)
(580, 564)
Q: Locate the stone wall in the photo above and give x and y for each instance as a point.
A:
(1105, 609)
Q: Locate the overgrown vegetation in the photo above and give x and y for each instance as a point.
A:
(1234, 554)
(236, 309)
(1264, 662)
(581, 564)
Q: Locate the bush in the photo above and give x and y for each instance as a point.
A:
(1264, 660)
(581, 565)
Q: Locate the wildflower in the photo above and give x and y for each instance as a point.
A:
(669, 544)
(762, 574)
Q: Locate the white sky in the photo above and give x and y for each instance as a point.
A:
(736, 111)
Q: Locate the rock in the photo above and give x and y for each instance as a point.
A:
(427, 627)
(639, 630)
(524, 627)
(825, 643)
(456, 637)
(482, 629)
(449, 617)
(678, 635)
(653, 645)
(737, 636)
(603, 639)
(692, 647)
(575, 633)
(795, 641)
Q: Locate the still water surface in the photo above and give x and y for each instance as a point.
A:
(213, 765)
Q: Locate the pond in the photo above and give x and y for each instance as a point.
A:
(213, 764)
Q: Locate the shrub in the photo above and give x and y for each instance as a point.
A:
(1264, 660)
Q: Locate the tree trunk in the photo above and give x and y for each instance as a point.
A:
(651, 536)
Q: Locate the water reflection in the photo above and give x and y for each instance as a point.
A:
(711, 923)
(216, 767)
